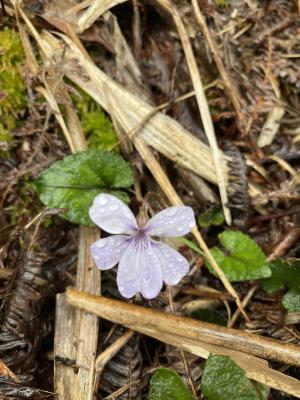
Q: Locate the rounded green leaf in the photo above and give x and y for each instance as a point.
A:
(222, 379)
(284, 275)
(167, 385)
(245, 261)
(73, 182)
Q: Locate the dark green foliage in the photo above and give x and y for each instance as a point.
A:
(285, 276)
(167, 385)
(222, 379)
(75, 181)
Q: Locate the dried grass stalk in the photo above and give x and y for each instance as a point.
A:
(200, 338)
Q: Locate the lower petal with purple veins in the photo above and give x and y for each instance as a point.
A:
(139, 270)
(107, 252)
(174, 266)
(151, 273)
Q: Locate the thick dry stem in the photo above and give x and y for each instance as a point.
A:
(133, 316)
(200, 338)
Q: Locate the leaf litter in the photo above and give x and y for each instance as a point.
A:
(253, 99)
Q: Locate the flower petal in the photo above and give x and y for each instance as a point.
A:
(139, 270)
(172, 222)
(174, 266)
(112, 215)
(107, 252)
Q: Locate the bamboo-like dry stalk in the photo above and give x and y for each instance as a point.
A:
(130, 314)
(199, 337)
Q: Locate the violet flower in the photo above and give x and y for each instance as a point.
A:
(144, 263)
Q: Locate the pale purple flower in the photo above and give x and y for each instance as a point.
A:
(144, 263)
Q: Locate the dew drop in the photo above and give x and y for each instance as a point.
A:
(171, 211)
(180, 228)
(176, 276)
(103, 200)
(101, 244)
(191, 224)
(114, 207)
(96, 257)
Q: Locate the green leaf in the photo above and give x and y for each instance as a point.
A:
(246, 260)
(74, 181)
(291, 301)
(213, 216)
(285, 276)
(167, 385)
(222, 379)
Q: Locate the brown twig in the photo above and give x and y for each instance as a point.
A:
(227, 81)
(200, 338)
(134, 316)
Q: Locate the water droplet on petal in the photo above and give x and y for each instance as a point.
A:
(101, 244)
(114, 207)
(180, 228)
(171, 211)
(176, 276)
(103, 200)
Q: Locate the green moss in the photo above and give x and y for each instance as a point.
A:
(221, 3)
(26, 203)
(12, 93)
(96, 125)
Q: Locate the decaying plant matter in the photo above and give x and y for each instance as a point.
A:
(203, 97)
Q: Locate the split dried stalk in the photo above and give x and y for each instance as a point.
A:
(199, 337)
(88, 279)
(95, 10)
(202, 104)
